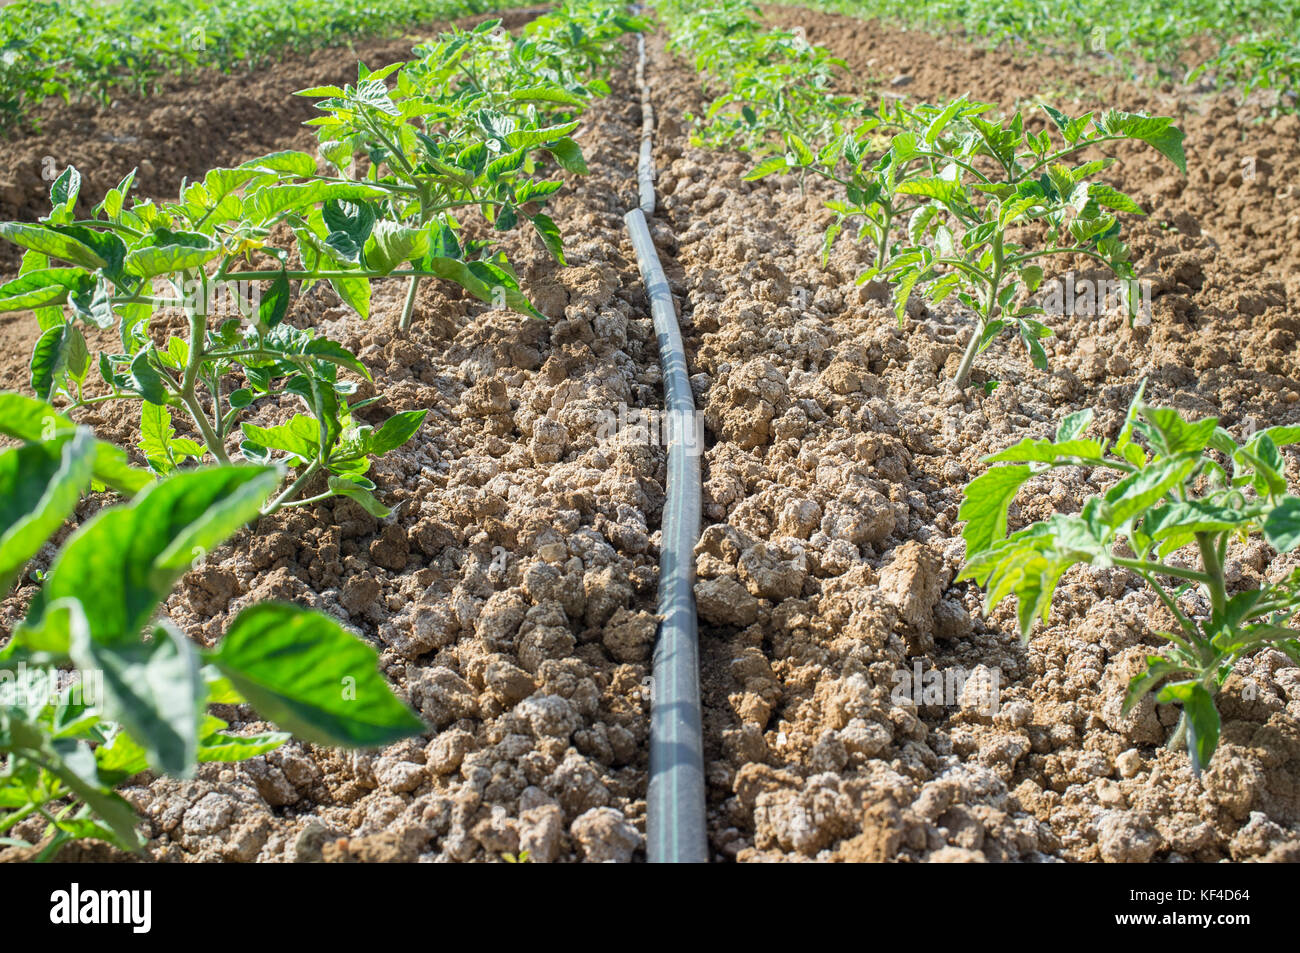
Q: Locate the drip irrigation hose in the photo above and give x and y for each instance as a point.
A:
(645, 169)
(675, 802)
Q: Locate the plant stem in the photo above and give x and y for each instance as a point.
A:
(968, 359)
(982, 320)
(18, 815)
(882, 256)
(312, 469)
(1178, 740)
(188, 395)
(1214, 571)
(1163, 569)
(408, 307)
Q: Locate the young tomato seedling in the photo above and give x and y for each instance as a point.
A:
(64, 747)
(118, 258)
(1174, 499)
(1004, 201)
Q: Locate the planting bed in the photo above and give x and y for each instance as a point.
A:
(512, 592)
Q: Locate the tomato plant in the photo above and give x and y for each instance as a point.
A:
(952, 202)
(142, 700)
(1191, 490)
(114, 262)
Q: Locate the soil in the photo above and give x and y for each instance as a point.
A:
(512, 592)
(834, 484)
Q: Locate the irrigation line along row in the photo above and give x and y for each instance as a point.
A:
(675, 804)
(645, 169)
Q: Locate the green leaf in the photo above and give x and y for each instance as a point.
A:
(1282, 527)
(1158, 132)
(167, 252)
(45, 287)
(298, 164)
(299, 436)
(396, 430)
(1138, 492)
(66, 187)
(49, 358)
(274, 303)
(153, 689)
(1170, 435)
(123, 562)
(390, 244)
(1030, 450)
(345, 486)
(1108, 197)
(327, 350)
(1037, 355)
(156, 435)
(549, 233)
(355, 293)
(30, 420)
(75, 766)
(268, 202)
(527, 138)
(218, 745)
(1059, 119)
(1073, 425)
(1202, 719)
(1176, 524)
(1280, 436)
(146, 380)
(945, 190)
(302, 671)
(984, 506)
(121, 758)
(941, 121)
(1029, 564)
(1157, 670)
(799, 149)
(40, 484)
(352, 220)
(568, 154)
(485, 281)
(546, 94)
(67, 243)
(769, 166)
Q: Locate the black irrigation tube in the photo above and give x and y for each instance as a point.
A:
(675, 806)
(645, 170)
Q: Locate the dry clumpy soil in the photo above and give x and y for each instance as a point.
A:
(511, 594)
(833, 484)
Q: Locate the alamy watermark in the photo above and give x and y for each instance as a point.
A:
(236, 299)
(979, 689)
(36, 687)
(652, 427)
(1068, 297)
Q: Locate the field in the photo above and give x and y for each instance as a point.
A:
(335, 456)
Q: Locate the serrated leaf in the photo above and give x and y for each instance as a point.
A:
(984, 506)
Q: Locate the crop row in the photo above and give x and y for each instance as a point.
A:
(64, 49)
(953, 199)
(479, 122)
(1254, 44)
